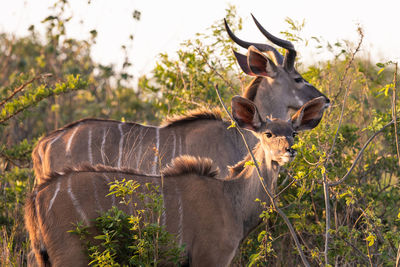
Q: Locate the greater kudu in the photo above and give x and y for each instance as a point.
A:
(210, 216)
(277, 89)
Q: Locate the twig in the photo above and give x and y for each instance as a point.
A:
(359, 155)
(272, 199)
(361, 33)
(325, 181)
(216, 71)
(20, 88)
(286, 187)
(365, 258)
(394, 115)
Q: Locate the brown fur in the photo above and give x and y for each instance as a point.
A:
(200, 209)
(191, 165)
(251, 90)
(192, 115)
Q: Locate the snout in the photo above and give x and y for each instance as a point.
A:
(290, 152)
(288, 156)
(327, 103)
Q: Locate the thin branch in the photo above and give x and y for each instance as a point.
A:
(353, 55)
(359, 155)
(271, 197)
(325, 181)
(286, 187)
(215, 70)
(20, 88)
(365, 258)
(394, 115)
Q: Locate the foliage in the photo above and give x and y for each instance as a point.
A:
(135, 239)
(363, 208)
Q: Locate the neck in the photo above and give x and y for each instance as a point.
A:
(243, 186)
(269, 92)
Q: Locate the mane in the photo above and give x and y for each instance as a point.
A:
(86, 167)
(191, 165)
(193, 115)
(251, 90)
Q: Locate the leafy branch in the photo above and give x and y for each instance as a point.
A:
(14, 105)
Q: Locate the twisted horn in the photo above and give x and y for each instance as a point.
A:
(261, 47)
(290, 55)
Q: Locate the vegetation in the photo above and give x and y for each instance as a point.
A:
(134, 240)
(328, 192)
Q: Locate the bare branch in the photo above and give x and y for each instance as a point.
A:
(394, 115)
(359, 155)
(348, 65)
(325, 181)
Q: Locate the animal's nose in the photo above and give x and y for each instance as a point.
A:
(292, 152)
(327, 102)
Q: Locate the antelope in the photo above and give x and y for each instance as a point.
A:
(277, 90)
(211, 216)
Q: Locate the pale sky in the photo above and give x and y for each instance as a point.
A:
(165, 24)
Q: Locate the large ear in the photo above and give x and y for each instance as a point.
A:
(309, 115)
(245, 113)
(259, 64)
(242, 60)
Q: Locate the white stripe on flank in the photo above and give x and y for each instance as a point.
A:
(103, 142)
(139, 153)
(54, 196)
(96, 196)
(90, 147)
(155, 163)
(51, 143)
(55, 139)
(164, 214)
(174, 145)
(68, 148)
(75, 202)
(121, 142)
(180, 145)
(180, 211)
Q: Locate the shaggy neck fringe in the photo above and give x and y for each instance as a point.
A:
(197, 114)
(191, 165)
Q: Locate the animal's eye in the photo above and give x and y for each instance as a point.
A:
(299, 80)
(269, 135)
(294, 134)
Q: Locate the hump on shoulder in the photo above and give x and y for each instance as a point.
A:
(187, 165)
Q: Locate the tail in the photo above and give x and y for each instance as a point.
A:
(40, 258)
(38, 167)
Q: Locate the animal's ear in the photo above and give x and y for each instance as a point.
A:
(245, 113)
(259, 64)
(309, 115)
(242, 60)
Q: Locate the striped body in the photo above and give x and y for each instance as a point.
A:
(83, 194)
(133, 145)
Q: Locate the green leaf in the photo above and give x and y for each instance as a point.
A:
(233, 125)
(371, 240)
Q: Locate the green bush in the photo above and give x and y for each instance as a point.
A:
(135, 239)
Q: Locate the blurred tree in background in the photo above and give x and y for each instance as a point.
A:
(41, 76)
